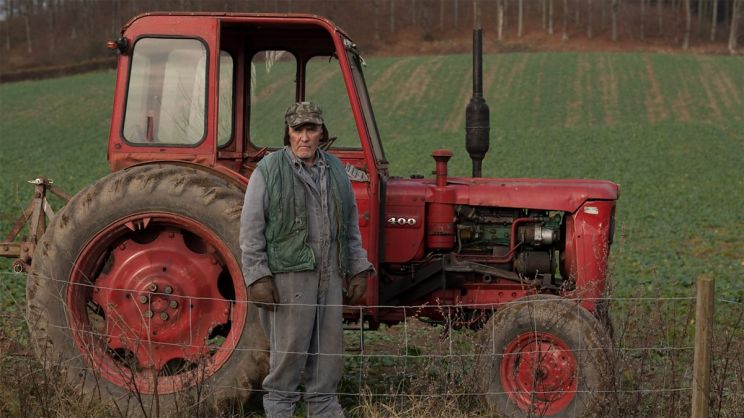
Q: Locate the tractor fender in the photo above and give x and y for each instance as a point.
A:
(219, 171)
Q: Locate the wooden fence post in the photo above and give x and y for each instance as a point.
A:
(703, 345)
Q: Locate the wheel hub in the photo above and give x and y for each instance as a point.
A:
(539, 373)
(161, 301)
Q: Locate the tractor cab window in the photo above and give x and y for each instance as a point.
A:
(325, 85)
(166, 96)
(225, 107)
(272, 89)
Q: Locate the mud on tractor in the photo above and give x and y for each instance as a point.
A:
(138, 278)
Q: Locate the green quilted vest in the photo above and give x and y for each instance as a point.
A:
(286, 226)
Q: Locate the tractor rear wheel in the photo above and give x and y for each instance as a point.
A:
(545, 356)
(136, 293)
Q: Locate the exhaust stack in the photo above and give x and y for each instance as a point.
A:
(477, 118)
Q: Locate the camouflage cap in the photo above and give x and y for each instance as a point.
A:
(303, 112)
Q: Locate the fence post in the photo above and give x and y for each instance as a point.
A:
(703, 342)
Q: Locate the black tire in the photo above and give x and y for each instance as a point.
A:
(559, 338)
(152, 192)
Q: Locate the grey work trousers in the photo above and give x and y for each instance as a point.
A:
(306, 339)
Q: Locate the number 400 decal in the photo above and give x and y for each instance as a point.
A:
(401, 221)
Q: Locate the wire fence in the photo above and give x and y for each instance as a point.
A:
(449, 360)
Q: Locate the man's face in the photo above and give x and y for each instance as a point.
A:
(304, 141)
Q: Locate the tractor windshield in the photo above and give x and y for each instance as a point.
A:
(361, 87)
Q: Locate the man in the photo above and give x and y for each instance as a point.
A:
(299, 237)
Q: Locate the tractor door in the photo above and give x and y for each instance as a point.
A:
(165, 94)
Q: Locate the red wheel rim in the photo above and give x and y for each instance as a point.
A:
(152, 303)
(538, 372)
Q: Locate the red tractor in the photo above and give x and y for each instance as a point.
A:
(136, 289)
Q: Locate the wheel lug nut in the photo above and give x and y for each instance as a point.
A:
(144, 299)
(164, 316)
(173, 304)
(153, 287)
(168, 290)
(148, 314)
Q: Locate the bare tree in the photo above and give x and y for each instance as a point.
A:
(603, 23)
(544, 9)
(688, 25)
(8, 17)
(735, 14)
(564, 36)
(392, 16)
(456, 10)
(476, 14)
(550, 17)
(589, 19)
(441, 15)
(714, 20)
(376, 6)
(660, 14)
(615, 5)
(500, 11)
(520, 19)
(643, 19)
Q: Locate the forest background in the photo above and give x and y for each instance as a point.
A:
(43, 38)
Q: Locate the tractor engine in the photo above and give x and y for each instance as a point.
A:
(525, 242)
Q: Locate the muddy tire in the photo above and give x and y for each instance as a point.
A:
(545, 356)
(136, 294)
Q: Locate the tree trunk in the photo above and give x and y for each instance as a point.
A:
(413, 12)
(660, 12)
(441, 15)
(456, 10)
(520, 18)
(735, 13)
(643, 19)
(476, 14)
(714, 21)
(603, 24)
(564, 36)
(615, 4)
(688, 25)
(589, 19)
(550, 17)
(376, 6)
(544, 9)
(7, 34)
(500, 8)
(29, 48)
(392, 16)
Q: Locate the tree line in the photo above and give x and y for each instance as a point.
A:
(49, 33)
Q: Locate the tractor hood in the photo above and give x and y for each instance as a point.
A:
(563, 195)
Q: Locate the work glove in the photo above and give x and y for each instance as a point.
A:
(357, 286)
(263, 293)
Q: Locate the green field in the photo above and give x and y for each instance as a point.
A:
(668, 128)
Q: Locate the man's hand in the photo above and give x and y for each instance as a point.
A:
(263, 293)
(357, 286)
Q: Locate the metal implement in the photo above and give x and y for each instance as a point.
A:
(35, 218)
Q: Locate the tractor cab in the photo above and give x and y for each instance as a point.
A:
(212, 90)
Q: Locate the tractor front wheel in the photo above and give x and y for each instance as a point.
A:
(136, 292)
(545, 356)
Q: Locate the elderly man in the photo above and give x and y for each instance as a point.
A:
(300, 240)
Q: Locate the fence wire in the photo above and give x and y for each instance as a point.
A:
(651, 348)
